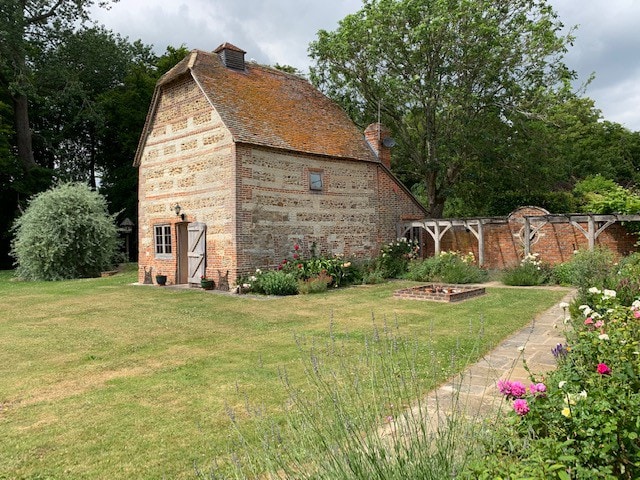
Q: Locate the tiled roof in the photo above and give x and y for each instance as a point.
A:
(264, 106)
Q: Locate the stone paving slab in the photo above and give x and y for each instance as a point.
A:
(474, 392)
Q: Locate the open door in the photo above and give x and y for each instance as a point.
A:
(197, 253)
(182, 274)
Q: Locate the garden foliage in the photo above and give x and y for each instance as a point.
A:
(66, 232)
(447, 267)
(586, 269)
(581, 421)
(356, 416)
(299, 275)
(395, 257)
(531, 271)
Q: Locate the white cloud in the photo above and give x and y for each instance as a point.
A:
(279, 31)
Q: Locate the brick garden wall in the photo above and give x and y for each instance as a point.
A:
(554, 242)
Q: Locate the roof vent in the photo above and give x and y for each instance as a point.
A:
(231, 56)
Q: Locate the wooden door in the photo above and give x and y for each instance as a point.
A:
(197, 251)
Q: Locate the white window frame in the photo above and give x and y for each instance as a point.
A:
(162, 244)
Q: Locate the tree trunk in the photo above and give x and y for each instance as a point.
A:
(23, 131)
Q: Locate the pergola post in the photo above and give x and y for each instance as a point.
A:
(436, 238)
(592, 233)
(527, 236)
(480, 244)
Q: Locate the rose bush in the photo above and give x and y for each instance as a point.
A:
(583, 420)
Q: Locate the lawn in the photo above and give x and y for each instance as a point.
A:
(100, 378)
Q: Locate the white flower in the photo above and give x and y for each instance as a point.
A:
(609, 294)
(635, 304)
(595, 315)
(521, 348)
(603, 336)
(582, 395)
(563, 305)
(258, 270)
(594, 290)
(587, 311)
(252, 278)
(582, 307)
(562, 384)
(246, 285)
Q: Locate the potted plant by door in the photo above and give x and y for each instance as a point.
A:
(207, 283)
(161, 279)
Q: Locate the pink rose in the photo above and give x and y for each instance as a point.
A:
(521, 407)
(603, 369)
(512, 389)
(599, 323)
(636, 313)
(588, 321)
(538, 389)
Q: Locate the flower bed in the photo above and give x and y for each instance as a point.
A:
(582, 420)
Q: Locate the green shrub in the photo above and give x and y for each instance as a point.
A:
(530, 272)
(627, 279)
(448, 267)
(275, 282)
(586, 269)
(373, 277)
(395, 257)
(66, 232)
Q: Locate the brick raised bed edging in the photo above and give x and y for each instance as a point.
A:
(458, 293)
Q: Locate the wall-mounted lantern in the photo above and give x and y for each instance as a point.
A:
(178, 209)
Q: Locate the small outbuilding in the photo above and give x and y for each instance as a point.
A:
(238, 162)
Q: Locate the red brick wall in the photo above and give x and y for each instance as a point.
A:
(555, 242)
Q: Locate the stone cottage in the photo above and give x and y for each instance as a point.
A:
(238, 162)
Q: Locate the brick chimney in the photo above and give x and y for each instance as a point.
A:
(379, 139)
(231, 56)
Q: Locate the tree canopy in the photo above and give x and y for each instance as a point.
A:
(454, 80)
(73, 100)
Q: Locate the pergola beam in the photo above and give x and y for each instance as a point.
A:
(437, 228)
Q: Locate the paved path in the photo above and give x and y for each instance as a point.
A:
(474, 392)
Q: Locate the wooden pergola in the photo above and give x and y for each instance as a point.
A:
(596, 224)
(438, 227)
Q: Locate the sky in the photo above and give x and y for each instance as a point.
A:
(279, 31)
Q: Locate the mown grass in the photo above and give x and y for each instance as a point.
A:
(103, 379)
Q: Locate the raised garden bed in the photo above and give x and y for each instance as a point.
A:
(440, 293)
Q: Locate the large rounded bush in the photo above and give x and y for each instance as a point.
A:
(66, 232)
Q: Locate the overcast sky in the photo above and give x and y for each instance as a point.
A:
(279, 31)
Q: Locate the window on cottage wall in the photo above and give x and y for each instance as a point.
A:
(163, 240)
(315, 181)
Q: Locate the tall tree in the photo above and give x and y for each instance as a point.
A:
(25, 27)
(74, 82)
(125, 109)
(449, 77)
